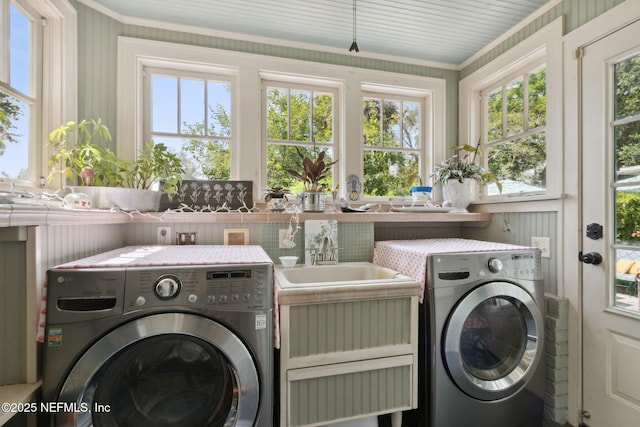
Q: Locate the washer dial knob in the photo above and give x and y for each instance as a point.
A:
(495, 265)
(167, 287)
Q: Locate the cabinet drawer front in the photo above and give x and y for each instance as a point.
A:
(372, 390)
(349, 326)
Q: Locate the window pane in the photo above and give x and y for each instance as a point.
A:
(219, 105)
(520, 165)
(494, 119)
(626, 278)
(323, 117)
(371, 121)
(537, 98)
(164, 104)
(627, 150)
(411, 120)
(515, 107)
(211, 159)
(300, 115)
(19, 52)
(392, 113)
(389, 173)
(192, 110)
(627, 81)
(14, 138)
(277, 114)
(628, 215)
(281, 158)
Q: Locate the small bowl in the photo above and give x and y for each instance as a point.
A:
(289, 261)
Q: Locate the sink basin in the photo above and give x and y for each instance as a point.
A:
(349, 273)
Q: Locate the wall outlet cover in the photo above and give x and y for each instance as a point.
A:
(544, 244)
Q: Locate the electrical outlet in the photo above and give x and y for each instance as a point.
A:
(544, 244)
(283, 233)
(163, 236)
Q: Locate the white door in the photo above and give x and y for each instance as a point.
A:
(611, 197)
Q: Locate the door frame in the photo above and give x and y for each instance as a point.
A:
(571, 280)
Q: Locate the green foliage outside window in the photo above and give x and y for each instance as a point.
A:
(391, 132)
(296, 118)
(517, 144)
(9, 113)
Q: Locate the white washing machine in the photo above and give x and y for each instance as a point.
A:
(484, 339)
(161, 336)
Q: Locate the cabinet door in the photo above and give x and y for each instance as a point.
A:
(323, 394)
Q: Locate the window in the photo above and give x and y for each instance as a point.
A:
(191, 114)
(514, 139)
(298, 117)
(513, 106)
(392, 144)
(273, 110)
(18, 91)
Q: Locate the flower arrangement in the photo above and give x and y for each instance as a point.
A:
(312, 172)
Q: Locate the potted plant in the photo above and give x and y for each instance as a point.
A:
(107, 179)
(459, 173)
(276, 197)
(312, 173)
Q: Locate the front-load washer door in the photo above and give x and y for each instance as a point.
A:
(170, 369)
(493, 340)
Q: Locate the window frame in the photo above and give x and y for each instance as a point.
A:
(543, 47)
(186, 72)
(303, 83)
(249, 69)
(426, 138)
(55, 89)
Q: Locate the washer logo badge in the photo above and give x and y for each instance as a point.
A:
(55, 338)
(261, 321)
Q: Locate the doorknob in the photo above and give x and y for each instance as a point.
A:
(591, 258)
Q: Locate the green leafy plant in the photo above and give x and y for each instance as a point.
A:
(463, 165)
(94, 164)
(312, 172)
(75, 151)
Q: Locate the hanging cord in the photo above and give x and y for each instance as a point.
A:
(354, 44)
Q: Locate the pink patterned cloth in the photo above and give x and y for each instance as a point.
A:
(409, 257)
(149, 256)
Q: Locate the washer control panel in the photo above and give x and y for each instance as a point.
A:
(231, 287)
(449, 269)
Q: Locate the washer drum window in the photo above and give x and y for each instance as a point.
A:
(168, 369)
(493, 340)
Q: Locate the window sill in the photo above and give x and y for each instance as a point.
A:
(24, 215)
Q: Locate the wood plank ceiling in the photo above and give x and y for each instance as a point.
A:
(444, 31)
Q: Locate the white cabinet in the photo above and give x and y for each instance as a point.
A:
(348, 358)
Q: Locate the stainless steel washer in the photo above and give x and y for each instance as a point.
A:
(153, 336)
(484, 339)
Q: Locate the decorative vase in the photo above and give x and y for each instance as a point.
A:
(313, 201)
(458, 194)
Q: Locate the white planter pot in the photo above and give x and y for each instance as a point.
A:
(458, 194)
(126, 199)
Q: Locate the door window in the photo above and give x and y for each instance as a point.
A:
(172, 380)
(626, 137)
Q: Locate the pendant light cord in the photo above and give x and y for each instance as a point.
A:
(354, 44)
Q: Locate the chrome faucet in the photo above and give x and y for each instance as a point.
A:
(328, 253)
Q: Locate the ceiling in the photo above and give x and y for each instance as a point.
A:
(441, 31)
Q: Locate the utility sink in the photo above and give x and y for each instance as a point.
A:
(349, 273)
